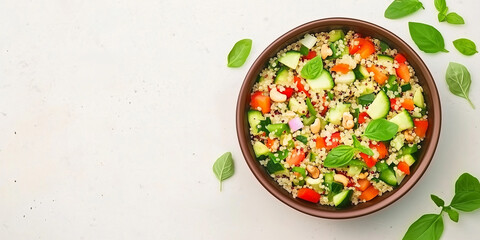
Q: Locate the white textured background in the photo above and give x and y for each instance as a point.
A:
(113, 112)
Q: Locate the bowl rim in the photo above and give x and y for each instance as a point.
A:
(260, 174)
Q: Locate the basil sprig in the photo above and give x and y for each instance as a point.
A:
(381, 130)
(312, 68)
(343, 154)
(239, 53)
(465, 46)
(401, 8)
(466, 199)
(443, 15)
(426, 37)
(459, 80)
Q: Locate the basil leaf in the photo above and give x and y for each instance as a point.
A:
(223, 168)
(302, 139)
(440, 5)
(459, 80)
(428, 226)
(426, 37)
(366, 99)
(465, 46)
(466, 201)
(312, 68)
(358, 146)
(339, 156)
(402, 8)
(441, 16)
(452, 214)
(239, 53)
(381, 130)
(454, 18)
(467, 183)
(384, 46)
(438, 201)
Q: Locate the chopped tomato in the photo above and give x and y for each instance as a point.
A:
(259, 100)
(362, 46)
(379, 76)
(335, 140)
(362, 117)
(400, 58)
(288, 91)
(421, 127)
(308, 194)
(297, 156)
(403, 72)
(381, 149)
(364, 184)
(403, 166)
(408, 104)
(369, 194)
(311, 55)
(393, 104)
(341, 67)
(320, 143)
(270, 143)
(370, 161)
(300, 86)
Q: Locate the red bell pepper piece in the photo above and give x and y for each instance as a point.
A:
(300, 86)
(311, 55)
(400, 58)
(379, 76)
(369, 194)
(403, 166)
(296, 157)
(362, 117)
(288, 91)
(259, 100)
(403, 72)
(408, 104)
(308, 194)
(370, 161)
(381, 149)
(421, 127)
(341, 67)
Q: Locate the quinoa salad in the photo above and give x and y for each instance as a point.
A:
(337, 118)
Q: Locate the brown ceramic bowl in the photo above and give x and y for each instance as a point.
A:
(428, 146)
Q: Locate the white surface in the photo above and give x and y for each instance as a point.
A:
(113, 112)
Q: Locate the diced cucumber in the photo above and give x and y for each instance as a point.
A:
(312, 156)
(336, 51)
(345, 78)
(381, 166)
(380, 106)
(335, 115)
(282, 76)
(335, 35)
(328, 178)
(366, 87)
(308, 121)
(408, 150)
(392, 85)
(342, 199)
(398, 142)
(403, 120)
(277, 128)
(361, 72)
(418, 99)
(385, 60)
(388, 176)
(260, 149)
(297, 105)
(300, 170)
(400, 177)
(354, 170)
(417, 115)
(408, 159)
(336, 187)
(314, 183)
(308, 41)
(290, 59)
(406, 87)
(323, 82)
(276, 168)
(254, 117)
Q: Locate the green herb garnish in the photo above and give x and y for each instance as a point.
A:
(381, 130)
(465, 46)
(312, 68)
(239, 53)
(427, 38)
(402, 8)
(459, 80)
(223, 167)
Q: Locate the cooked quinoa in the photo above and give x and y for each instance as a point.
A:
(298, 117)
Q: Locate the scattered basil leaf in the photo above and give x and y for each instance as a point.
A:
(401, 8)
(223, 168)
(426, 37)
(441, 17)
(465, 46)
(428, 226)
(467, 183)
(366, 99)
(440, 5)
(381, 130)
(452, 214)
(466, 201)
(459, 80)
(384, 46)
(438, 201)
(239, 53)
(358, 146)
(312, 68)
(454, 18)
(302, 139)
(339, 156)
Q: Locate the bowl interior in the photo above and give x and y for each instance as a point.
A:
(428, 145)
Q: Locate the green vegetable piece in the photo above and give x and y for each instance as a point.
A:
(304, 50)
(366, 99)
(408, 150)
(263, 125)
(278, 156)
(223, 167)
(440, 5)
(465, 46)
(360, 147)
(454, 18)
(384, 46)
(381, 130)
(426, 37)
(438, 201)
(310, 107)
(406, 87)
(401, 8)
(428, 226)
(300, 170)
(339, 156)
(312, 68)
(459, 80)
(330, 95)
(302, 139)
(239, 53)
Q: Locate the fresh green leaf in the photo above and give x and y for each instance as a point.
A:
(466, 201)
(358, 146)
(312, 68)
(428, 226)
(239, 53)
(467, 183)
(465, 46)
(454, 18)
(384, 46)
(381, 130)
(366, 99)
(401, 8)
(304, 50)
(459, 80)
(441, 16)
(223, 168)
(452, 214)
(278, 156)
(426, 37)
(263, 125)
(339, 156)
(302, 139)
(438, 201)
(440, 5)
